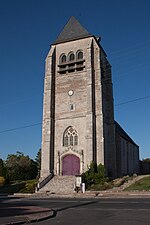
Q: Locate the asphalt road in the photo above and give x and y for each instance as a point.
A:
(93, 211)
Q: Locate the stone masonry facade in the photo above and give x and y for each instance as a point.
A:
(78, 108)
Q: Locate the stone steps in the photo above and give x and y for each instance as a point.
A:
(59, 184)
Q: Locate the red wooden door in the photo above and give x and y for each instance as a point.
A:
(71, 165)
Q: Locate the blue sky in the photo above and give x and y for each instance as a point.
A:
(29, 27)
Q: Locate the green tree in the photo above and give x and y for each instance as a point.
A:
(146, 160)
(1, 167)
(20, 167)
(101, 174)
(38, 162)
(95, 175)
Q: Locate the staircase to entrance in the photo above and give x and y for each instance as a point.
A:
(59, 184)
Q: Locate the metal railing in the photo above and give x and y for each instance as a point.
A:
(45, 181)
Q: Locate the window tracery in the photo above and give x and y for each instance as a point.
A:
(70, 137)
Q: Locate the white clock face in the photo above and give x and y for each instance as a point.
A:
(70, 92)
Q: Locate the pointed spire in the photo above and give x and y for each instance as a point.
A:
(73, 30)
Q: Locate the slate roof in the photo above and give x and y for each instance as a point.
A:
(123, 134)
(73, 30)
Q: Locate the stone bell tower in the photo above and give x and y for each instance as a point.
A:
(78, 113)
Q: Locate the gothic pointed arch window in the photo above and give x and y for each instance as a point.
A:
(70, 137)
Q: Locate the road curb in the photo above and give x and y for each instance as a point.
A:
(31, 218)
(95, 194)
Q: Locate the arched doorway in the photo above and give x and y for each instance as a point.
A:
(70, 165)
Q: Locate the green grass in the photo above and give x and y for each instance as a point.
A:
(141, 185)
(19, 187)
(100, 187)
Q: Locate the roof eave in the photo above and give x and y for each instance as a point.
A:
(72, 39)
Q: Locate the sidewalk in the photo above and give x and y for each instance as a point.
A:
(97, 194)
(25, 214)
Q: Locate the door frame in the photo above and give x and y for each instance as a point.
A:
(73, 155)
(70, 153)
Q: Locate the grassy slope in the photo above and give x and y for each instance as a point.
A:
(19, 187)
(143, 184)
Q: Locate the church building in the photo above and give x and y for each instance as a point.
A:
(78, 110)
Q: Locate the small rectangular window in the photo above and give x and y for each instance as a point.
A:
(72, 107)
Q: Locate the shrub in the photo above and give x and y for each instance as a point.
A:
(29, 187)
(94, 175)
(2, 181)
